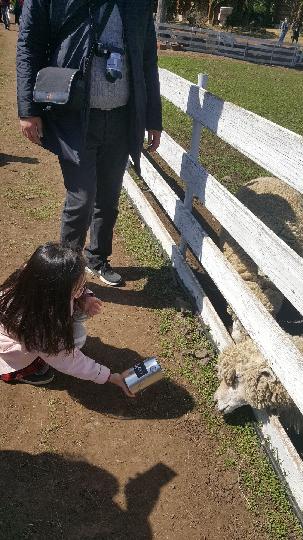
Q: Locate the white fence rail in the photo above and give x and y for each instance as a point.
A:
(227, 44)
(279, 151)
(273, 147)
(272, 341)
(276, 260)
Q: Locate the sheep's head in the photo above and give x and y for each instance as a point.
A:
(230, 397)
(246, 379)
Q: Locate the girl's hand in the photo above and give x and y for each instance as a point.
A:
(91, 305)
(117, 379)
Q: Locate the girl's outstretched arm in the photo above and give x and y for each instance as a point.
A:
(78, 365)
(81, 366)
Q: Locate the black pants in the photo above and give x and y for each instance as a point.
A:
(94, 186)
(17, 12)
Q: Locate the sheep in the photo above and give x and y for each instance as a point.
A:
(246, 379)
(244, 375)
(280, 207)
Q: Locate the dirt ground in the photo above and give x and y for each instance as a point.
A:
(78, 460)
(274, 34)
(269, 35)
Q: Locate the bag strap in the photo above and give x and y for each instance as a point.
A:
(73, 22)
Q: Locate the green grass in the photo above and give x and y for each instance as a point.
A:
(43, 212)
(17, 196)
(272, 92)
(31, 198)
(180, 335)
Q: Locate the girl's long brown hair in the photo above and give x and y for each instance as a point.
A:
(35, 301)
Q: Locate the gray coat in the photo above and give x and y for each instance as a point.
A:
(42, 43)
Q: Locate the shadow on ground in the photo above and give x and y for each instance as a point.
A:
(5, 159)
(240, 417)
(52, 497)
(159, 290)
(163, 400)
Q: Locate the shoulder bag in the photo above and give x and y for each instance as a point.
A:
(64, 88)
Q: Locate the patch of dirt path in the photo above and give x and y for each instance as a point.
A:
(79, 461)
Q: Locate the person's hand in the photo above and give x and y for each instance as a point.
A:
(91, 305)
(153, 140)
(117, 379)
(32, 128)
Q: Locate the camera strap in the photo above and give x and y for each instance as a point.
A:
(100, 27)
(73, 22)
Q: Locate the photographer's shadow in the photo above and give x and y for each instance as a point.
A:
(163, 400)
(49, 496)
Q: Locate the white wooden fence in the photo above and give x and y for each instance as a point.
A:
(231, 45)
(280, 152)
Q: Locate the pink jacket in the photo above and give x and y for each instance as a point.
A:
(14, 356)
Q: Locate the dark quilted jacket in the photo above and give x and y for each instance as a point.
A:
(41, 43)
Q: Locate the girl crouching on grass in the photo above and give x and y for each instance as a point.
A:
(40, 306)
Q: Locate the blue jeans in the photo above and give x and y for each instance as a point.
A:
(94, 186)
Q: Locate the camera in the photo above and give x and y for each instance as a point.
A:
(114, 60)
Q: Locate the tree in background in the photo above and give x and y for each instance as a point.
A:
(291, 8)
(183, 6)
(166, 10)
(161, 11)
(169, 9)
(214, 8)
(262, 12)
(257, 12)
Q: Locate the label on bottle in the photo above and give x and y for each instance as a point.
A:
(140, 370)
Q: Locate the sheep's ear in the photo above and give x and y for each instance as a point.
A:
(268, 373)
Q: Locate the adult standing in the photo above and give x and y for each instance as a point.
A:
(4, 6)
(18, 10)
(295, 27)
(283, 31)
(93, 146)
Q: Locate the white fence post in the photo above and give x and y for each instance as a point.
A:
(295, 56)
(191, 36)
(194, 152)
(273, 53)
(245, 50)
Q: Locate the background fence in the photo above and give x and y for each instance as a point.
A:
(280, 152)
(228, 44)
